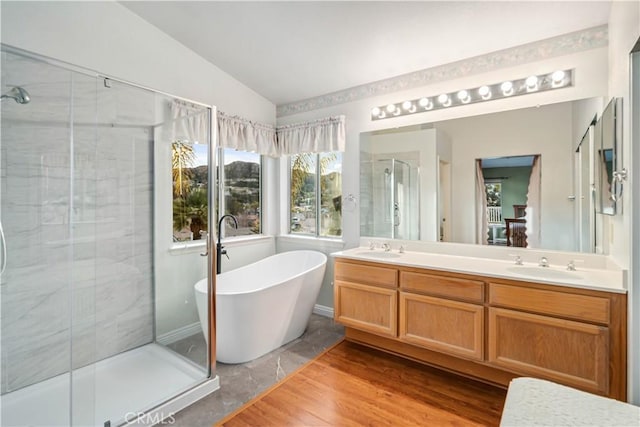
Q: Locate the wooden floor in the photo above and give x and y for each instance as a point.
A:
(352, 385)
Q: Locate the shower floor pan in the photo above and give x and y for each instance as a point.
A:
(116, 389)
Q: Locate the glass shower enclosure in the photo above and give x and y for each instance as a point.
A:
(85, 209)
(396, 198)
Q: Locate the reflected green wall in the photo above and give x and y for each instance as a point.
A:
(515, 182)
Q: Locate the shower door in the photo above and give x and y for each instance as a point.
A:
(41, 303)
(82, 233)
(396, 201)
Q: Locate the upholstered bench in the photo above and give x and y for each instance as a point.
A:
(534, 402)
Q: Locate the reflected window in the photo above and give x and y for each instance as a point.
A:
(316, 194)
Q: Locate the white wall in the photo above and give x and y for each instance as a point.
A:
(624, 31)
(110, 39)
(107, 37)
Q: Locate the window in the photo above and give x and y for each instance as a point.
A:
(240, 191)
(316, 194)
(494, 201)
(190, 187)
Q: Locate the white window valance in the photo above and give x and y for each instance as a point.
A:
(242, 134)
(320, 136)
(190, 122)
(324, 135)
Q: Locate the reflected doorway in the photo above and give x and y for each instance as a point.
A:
(507, 182)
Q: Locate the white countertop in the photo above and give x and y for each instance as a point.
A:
(609, 280)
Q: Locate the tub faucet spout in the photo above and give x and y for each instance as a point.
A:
(220, 250)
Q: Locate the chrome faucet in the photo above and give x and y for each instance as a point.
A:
(517, 259)
(544, 262)
(571, 266)
(220, 250)
(386, 247)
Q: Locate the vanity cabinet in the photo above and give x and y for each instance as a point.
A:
(366, 297)
(489, 329)
(560, 336)
(564, 351)
(439, 324)
(442, 313)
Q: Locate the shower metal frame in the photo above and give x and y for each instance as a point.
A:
(393, 204)
(211, 237)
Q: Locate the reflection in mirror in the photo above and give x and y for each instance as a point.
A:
(399, 174)
(585, 192)
(446, 153)
(606, 159)
(506, 182)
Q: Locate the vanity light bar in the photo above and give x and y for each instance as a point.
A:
(531, 84)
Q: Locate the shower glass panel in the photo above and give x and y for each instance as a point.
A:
(84, 225)
(36, 285)
(395, 201)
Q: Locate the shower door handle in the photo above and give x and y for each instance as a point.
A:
(396, 215)
(3, 242)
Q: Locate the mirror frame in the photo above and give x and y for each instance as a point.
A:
(607, 135)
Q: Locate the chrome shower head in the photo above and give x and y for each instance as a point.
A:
(18, 94)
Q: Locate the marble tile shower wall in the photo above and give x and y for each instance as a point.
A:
(80, 263)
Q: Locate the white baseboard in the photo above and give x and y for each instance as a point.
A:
(180, 333)
(323, 310)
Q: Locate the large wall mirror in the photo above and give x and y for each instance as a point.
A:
(423, 182)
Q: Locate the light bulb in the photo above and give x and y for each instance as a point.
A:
(531, 83)
(406, 105)
(557, 76)
(484, 92)
(444, 100)
(507, 88)
(463, 96)
(425, 103)
(375, 111)
(391, 108)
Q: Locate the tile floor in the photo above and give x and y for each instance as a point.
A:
(241, 383)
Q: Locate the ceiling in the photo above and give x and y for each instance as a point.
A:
(289, 51)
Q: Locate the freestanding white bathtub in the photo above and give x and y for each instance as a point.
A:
(264, 305)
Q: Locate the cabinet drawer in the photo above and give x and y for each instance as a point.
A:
(450, 287)
(368, 308)
(573, 306)
(442, 325)
(367, 274)
(569, 352)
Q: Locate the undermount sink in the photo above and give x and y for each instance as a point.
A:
(378, 254)
(544, 273)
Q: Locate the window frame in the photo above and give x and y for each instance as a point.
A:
(318, 201)
(220, 205)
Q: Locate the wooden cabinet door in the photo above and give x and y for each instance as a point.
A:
(569, 352)
(368, 308)
(442, 325)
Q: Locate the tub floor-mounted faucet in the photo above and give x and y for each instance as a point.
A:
(220, 250)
